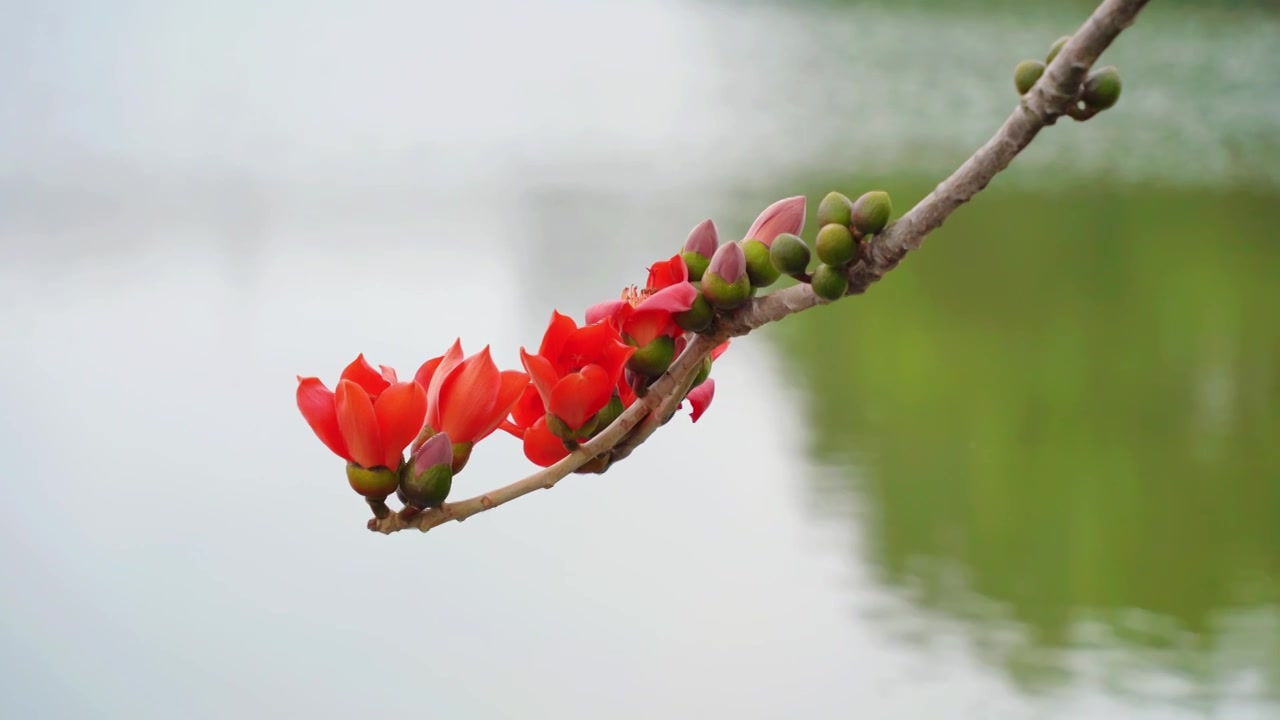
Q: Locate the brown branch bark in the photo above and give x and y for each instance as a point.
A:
(1056, 94)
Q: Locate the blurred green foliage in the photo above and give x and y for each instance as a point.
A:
(1071, 400)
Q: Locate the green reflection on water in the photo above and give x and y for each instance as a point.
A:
(1070, 401)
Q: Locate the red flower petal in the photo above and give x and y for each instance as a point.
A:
(401, 410)
(613, 356)
(511, 384)
(362, 373)
(466, 398)
(644, 326)
(541, 446)
(389, 374)
(426, 371)
(528, 407)
(700, 398)
(447, 363)
(667, 273)
(626, 393)
(541, 373)
(605, 310)
(316, 403)
(578, 396)
(588, 346)
(676, 298)
(720, 350)
(558, 330)
(358, 423)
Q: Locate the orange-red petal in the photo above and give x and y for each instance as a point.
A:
(467, 396)
(578, 396)
(719, 350)
(541, 374)
(362, 373)
(510, 386)
(674, 298)
(700, 398)
(401, 409)
(315, 401)
(665, 273)
(592, 344)
(613, 357)
(646, 325)
(388, 374)
(359, 424)
(448, 362)
(607, 311)
(528, 407)
(426, 371)
(558, 330)
(541, 446)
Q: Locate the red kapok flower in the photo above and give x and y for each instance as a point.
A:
(371, 417)
(643, 315)
(576, 369)
(468, 398)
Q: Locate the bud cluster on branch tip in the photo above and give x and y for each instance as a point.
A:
(1101, 89)
(845, 229)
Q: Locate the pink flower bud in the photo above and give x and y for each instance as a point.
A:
(703, 239)
(437, 450)
(728, 262)
(784, 216)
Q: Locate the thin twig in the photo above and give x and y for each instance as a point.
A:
(1051, 98)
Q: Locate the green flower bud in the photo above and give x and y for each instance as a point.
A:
(1026, 74)
(871, 212)
(829, 283)
(760, 271)
(835, 208)
(789, 254)
(704, 372)
(696, 318)
(1102, 89)
(726, 284)
(426, 479)
(696, 262)
(376, 482)
(653, 359)
(1057, 48)
(835, 245)
(725, 295)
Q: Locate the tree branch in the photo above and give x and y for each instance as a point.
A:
(1054, 95)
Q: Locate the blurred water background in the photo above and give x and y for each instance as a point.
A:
(1033, 473)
